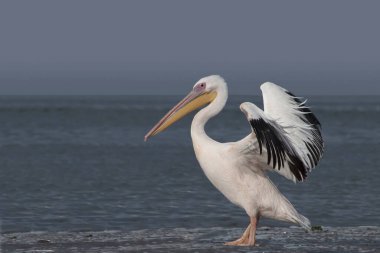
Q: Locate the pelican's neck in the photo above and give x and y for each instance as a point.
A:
(202, 117)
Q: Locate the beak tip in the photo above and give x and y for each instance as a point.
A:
(146, 137)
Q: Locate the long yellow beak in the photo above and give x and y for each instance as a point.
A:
(191, 102)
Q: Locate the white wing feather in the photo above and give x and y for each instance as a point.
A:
(301, 125)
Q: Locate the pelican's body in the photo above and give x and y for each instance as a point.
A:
(250, 189)
(286, 138)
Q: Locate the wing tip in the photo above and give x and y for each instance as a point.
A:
(267, 85)
(271, 86)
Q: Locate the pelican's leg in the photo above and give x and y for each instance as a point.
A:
(249, 236)
(252, 233)
(242, 239)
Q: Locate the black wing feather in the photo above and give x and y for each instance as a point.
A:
(278, 147)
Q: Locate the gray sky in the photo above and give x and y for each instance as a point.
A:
(163, 47)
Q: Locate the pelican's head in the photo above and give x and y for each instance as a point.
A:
(204, 92)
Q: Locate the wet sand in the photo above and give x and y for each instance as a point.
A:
(278, 239)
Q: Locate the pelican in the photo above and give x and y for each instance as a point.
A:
(286, 138)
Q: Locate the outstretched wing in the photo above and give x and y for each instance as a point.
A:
(287, 134)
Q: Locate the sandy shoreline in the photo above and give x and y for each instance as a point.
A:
(270, 239)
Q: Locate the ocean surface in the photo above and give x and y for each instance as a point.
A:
(79, 163)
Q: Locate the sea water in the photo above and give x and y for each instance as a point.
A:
(79, 163)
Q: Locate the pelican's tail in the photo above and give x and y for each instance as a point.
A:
(303, 221)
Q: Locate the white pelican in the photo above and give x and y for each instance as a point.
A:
(286, 137)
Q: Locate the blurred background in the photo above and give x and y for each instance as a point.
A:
(82, 82)
(145, 47)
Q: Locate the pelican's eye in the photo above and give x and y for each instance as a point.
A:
(200, 87)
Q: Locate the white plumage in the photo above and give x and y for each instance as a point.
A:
(285, 137)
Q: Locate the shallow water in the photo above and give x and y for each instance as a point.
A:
(292, 239)
(80, 164)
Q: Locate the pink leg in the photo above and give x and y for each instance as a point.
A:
(252, 234)
(249, 236)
